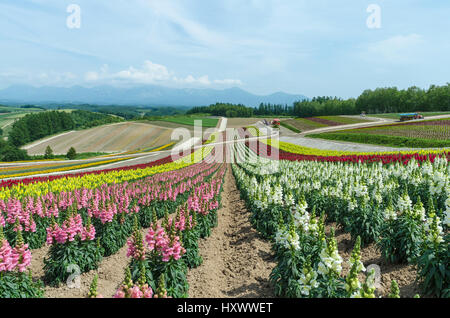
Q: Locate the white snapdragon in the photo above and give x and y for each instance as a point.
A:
(330, 260)
(277, 195)
(352, 204)
(434, 229)
(390, 214)
(419, 212)
(308, 281)
(289, 199)
(287, 239)
(404, 203)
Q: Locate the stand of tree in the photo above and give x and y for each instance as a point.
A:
(35, 126)
(380, 100)
(223, 109)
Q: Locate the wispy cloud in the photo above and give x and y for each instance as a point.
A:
(153, 73)
(398, 49)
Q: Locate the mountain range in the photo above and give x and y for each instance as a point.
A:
(148, 95)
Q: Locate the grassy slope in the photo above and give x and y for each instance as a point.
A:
(396, 115)
(292, 128)
(187, 120)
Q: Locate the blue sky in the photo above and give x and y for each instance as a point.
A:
(320, 47)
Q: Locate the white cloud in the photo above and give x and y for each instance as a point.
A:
(228, 82)
(396, 49)
(91, 76)
(152, 73)
(149, 74)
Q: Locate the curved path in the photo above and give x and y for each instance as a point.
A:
(302, 140)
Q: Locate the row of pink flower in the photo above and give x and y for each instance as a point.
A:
(203, 200)
(11, 259)
(106, 201)
(68, 231)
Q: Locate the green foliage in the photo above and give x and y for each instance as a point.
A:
(9, 152)
(93, 288)
(71, 154)
(400, 239)
(35, 126)
(285, 125)
(113, 235)
(86, 119)
(380, 100)
(395, 291)
(38, 125)
(190, 120)
(84, 254)
(364, 222)
(224, 109)
(48, 153)
(20, 285)
(433, 270)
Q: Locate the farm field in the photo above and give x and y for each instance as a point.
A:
(300, 225)
(396, 116)
(421, 134)
(120, 137)
(307, 124)
(9, 114)
(189, 120)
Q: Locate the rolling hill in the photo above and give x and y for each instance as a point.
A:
(140, 95)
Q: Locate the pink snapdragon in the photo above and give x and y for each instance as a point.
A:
(5, 256)
(21, 257)
(70, 229)
(88, 233)
(136, 291)
(136, 248)
(160, 242)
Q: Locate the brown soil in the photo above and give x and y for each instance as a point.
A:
(404, 274)
(111, 272)
(236, 261)
(107, 138)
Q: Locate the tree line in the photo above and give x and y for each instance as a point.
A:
(223, 109)
(380, 100)
(35, 126)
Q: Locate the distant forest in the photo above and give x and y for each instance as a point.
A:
(126, 112)
(380, 100)
(35, 126)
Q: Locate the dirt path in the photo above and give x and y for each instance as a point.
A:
(236, 261)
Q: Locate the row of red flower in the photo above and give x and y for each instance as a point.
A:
(12, 182)
(264, 150)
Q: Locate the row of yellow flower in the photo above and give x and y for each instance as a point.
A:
(301, 150)
(61, 169)
(92, 181)
(13, 168)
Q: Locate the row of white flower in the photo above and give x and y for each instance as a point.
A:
(352, 182)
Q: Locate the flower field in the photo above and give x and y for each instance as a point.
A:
(391, 207)
(431, 133)
(401, 209)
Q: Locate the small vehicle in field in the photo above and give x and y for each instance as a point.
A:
(410, 116)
